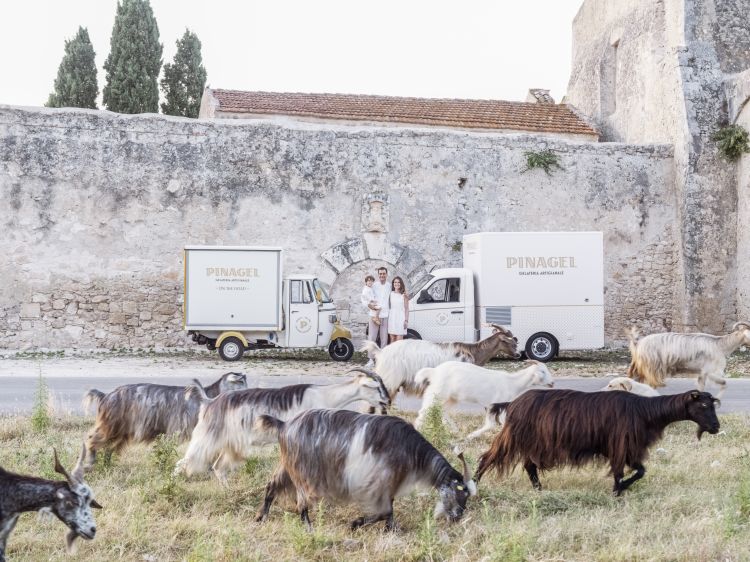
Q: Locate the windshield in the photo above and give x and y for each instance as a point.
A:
(320, 292)
(421, 284)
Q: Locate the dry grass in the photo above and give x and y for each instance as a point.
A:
(693, 504)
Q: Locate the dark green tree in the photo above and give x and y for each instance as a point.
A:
(184, 79)
(134, 60)
(75, 85)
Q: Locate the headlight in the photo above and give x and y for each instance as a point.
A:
(332, 318)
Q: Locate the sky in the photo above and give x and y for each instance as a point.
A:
(478, 49)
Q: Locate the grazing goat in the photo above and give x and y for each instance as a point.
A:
(657, 356)
(70, 501)
(347, 457)
(224, 436)
(399, 362)
(454, 381)
(549, 428)
(139, 413)
(629, 385)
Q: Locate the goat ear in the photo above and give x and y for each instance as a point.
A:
(235, 377)
(717, 402)
(627, 385)
(95, 504)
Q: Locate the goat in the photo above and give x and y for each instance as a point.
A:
(223, 436)
(657, 356)
(629, 385)
(368, 460)
(548, 428)
(139, 413)
(70, 501)
(399, 362)
(454, 381)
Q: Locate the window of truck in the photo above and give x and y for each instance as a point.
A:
(300, 292)
(321, 294)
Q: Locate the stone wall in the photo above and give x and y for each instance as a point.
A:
(98, 206)
(669, 76)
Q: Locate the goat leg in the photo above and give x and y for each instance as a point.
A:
(640, 470)
(387, 516)
(531, 470)
(278, 484)
(305, 517)
(6, 528)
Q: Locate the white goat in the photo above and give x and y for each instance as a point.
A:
(657, 356)
(629, 385)
(454, 381)
(224, 435)
(398, 363)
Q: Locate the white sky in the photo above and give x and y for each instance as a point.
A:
(469, 49)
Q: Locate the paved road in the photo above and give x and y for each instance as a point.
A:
(17, 391)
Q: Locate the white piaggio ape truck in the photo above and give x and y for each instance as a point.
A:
(546, 287)
(236, 300)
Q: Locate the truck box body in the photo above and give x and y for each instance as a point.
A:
(233, 288)
(539, 282)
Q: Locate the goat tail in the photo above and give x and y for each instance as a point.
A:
(499, 455)
(269, 425)
(195, 391)
(497, 409)
(633, 337)
(93, 396)
(422, 379)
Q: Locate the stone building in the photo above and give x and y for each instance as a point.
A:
(99, 205)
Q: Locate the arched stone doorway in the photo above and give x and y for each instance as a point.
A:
(351, 260)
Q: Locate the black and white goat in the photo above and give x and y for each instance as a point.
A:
(399, 362)
(224, 435)
(139, 413)
(70, 501)
(347, 457)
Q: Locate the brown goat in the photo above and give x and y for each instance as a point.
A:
(548, 428)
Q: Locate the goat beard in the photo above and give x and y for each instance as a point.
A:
(70, 538)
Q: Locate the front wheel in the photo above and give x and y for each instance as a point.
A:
(231, 349)
(341, 349)
(541, 347)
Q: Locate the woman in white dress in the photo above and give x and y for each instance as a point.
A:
(398, 318)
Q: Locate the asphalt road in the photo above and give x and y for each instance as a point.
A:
(17, 392)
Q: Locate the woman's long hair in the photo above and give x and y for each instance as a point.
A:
(403, 286)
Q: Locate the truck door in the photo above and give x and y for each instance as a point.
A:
(440, 312)
(303, 315)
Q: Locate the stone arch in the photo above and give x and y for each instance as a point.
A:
(350, 259)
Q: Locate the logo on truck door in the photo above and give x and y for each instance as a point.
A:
(303, 324)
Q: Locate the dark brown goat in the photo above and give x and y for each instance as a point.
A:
(548, 428)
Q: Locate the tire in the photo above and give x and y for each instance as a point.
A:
(412, 335)
(542, 347)
(231, 349)
(211, 345)
(341, 349)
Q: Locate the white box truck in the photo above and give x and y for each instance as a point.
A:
(236, 299)
(546, 287)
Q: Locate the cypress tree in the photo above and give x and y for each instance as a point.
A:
(184, 78)
(134, 60)
(75, 85)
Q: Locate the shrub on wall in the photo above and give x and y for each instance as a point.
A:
(733, 141)
(545, 160)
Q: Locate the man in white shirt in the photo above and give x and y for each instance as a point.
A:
(383, 295)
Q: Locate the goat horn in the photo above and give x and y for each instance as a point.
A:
(460, 455)
(374, 376)
(738, 325)
(77, 473)
(59, 468)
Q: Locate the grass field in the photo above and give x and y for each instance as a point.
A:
(693, 504)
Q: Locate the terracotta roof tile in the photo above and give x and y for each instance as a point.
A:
(482, 114)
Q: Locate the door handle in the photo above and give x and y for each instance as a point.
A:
(295, 311)
(457, 311)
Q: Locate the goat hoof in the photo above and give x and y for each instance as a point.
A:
(357, 523)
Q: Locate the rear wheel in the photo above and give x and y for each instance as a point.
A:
(341, 349)
(542, 347)
(412, 335)
(231, 349)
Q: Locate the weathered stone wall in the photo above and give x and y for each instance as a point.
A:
(97, 207)
(669, 87)
(743, 208)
